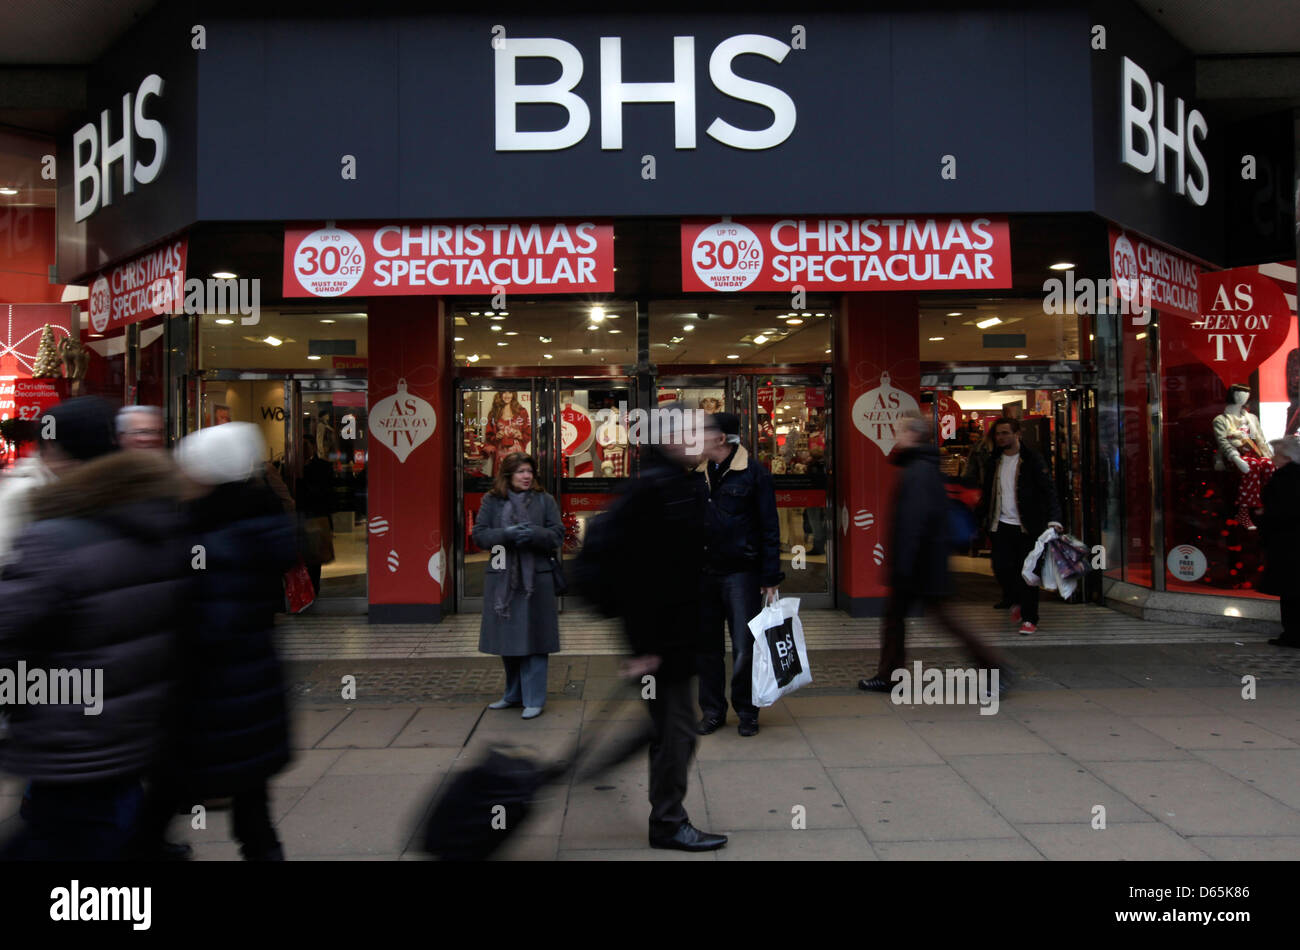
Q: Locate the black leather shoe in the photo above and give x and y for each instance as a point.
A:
(710, 724)
(748, 727)
(877, 684)
(689, 838)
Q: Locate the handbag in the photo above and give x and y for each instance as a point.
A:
(557, 573)
(318, 540)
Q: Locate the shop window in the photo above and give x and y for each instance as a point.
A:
(740, 331)
(545, 333)
(283, 340)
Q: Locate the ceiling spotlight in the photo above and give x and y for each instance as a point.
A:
(547, 356)
(592, 326)
(794, 321)
(615, 331)
(499, 316)
(8, 191)
(990, 322)
(313, 357)
(1022, 356)
(544, 339)
(223, 275)
(473, 313)
(597, 314)
(503, 343)
(329, 321)
(828, 351)
(821, 314)
(689, 327)
(733, 356)
(760, 339)
(459, 339)
(489, 313)
(955, 313)
(503, 313)
(274, 341)
(805, 314)
(473, 357)
(512, 333)
(495, 328)
(225, 321)
(935, 339)
(1061, 265)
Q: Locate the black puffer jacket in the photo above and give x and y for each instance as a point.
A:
(741, 522)
(99, 580)
(236, 718)
(919, 533)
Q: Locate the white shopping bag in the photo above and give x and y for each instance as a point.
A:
(780, 654)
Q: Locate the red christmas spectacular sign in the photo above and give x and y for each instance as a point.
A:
(1147, 275)
(556, 257)
(1244, 318)
(841, 254)
(149, 285)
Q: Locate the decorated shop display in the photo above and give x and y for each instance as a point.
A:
(1241, 444)
(47, 365)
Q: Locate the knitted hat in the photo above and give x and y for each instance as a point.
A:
(84, 427)
(724, 422)
(217, 455)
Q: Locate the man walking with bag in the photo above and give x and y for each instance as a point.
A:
(1018, 505)
(741, 571)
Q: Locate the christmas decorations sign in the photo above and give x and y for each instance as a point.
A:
(1244, 319)
(876, 413)
(402, 422)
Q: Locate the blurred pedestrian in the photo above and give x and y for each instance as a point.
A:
(520, 525)
(141, 427)
(918, 565)
(1280, 534)
(16, 486)
(98, 583)
(643, 560)
(1017, 506)
(315, 501)
(741, 571)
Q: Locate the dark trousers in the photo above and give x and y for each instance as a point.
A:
(1010, 548)
(892, 630)
(1291, 618)
(86, 821)
(250, 823)
(673, 715)
(732, 600)
(313, 571)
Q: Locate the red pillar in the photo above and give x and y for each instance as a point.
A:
(877, 378)
(411, 552)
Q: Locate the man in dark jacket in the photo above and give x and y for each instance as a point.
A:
(918, 553)
(1019, 504)
(642, 560)
(98, 582)
(1279, 532)
(742, 569)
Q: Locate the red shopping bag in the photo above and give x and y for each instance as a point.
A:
(298, 592)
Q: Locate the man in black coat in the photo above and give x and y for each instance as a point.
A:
(741, 571)
(98, 582)
(918, 555)
(1018, 505)
(1279, 534)
(642, 560)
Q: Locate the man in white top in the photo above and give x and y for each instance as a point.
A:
(1019, 504)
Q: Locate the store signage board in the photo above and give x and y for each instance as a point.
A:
(146, 286)
(845, 254)
(1244, 318)
(1171, 279)
(489, 257)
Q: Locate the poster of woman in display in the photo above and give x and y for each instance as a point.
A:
(509, 427)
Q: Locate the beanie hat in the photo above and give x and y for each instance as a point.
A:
(727, 423)
(84, 428)
(217, 455)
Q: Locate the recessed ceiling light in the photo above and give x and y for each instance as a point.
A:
(1061, 265)
(489, 313)
(459, 339)
(689, 327)
(223, 275)
(544, 339)
(805, 314)
(329, 321)
(733, 356)
(935, 339)
(828, 350)
(8, 191)
(512, 333)
(473, 357)
(1022, 356)
(313, 357)
(615, 331)
(503, 343)
(592, 327)
(495, 328)
(794, 321)
(990, 322)
(597, 314)
(499, 316)
(274, 341)
(760, 339)
(503, 313)
(473, 313)
(1140, 336)
(225, 321)
(821, 314)
(955, 313)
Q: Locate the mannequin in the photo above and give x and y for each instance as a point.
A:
(1241, 444)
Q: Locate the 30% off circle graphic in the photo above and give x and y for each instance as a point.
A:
(329, 262)
(727, 256)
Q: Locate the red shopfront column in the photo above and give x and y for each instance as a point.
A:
(877, 379)
(412, 536)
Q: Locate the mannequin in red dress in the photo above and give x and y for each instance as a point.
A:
(509, 428)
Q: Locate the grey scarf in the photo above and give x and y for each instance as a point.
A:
(519, 560)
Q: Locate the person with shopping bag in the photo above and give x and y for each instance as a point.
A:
(918, 565)
(741, 572)
(520, 525)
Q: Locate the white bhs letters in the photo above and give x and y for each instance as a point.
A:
(1157, 138)
(614, 93)
(94, 164)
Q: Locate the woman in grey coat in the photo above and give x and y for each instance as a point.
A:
(519, 524)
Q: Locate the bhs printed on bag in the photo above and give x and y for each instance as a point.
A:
(785, 657)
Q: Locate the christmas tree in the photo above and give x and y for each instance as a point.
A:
(47, 357)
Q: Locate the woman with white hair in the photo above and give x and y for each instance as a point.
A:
(1280, 532)
(235, 728)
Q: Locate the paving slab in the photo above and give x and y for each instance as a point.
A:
(306, 767)
(439, 726)
(772, 742)
(762, 795)
(614, 813)
(789, 845)
(1284, 723)
(1148, 702)
(1043, 788)
(1275, 772)
(1238, 848)
(645, 853)
(858, 704)
(867, 741)
(1196, 798)
(529, 847)
(311, 725)
(368, 727)
(281, 802)
(983, 735)
(356, 814)
(430, 762)
(917, 803)
(1150, 841)
(979, 849)
(1099, 736)
(1215, 731)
